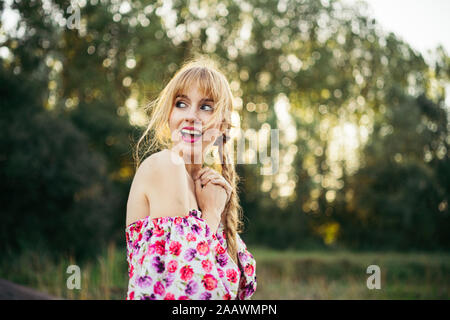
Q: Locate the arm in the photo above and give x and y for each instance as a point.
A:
(212, 219)
(138, 205)
(211, 198)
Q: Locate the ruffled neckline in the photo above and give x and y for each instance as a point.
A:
(192, 213)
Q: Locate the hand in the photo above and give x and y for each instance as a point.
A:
(207, 175)
(211, 197)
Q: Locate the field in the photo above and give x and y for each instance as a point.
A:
(281, 275)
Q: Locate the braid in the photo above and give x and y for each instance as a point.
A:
(233, 210)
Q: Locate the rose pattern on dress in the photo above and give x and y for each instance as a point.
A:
(178, 258)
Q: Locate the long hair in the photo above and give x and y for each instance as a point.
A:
(204, 72)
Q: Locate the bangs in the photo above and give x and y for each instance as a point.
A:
(203, 79)
(210, 84)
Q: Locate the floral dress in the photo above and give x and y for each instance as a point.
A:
(178, 258)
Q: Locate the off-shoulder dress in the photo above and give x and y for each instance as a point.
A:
(179, 258)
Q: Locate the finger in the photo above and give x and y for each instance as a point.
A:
(201, 172)
(223, 182)
(205, 181)
(218, 177)
(207, 176)
(224, 185)
(198, 184)
(208, 172)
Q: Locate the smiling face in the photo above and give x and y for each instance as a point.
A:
(188, 124)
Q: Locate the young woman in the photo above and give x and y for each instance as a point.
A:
(183, 218)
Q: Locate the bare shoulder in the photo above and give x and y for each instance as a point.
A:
(159, 188)
(159, 164)
(168, 159)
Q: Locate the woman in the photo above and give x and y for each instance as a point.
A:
(183, 218)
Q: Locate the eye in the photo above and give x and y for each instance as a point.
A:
(178, 103)
(206, 105)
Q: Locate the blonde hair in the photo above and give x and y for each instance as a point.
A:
(204, 72)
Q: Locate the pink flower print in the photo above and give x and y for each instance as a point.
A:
(232, 275)
(158, 288)
(169, 296)
(186, 273)
(175, 248)
(209, 282)
(160, 247)
(191, 237)
(207, 265)
(177, 220)
(141, 259)
(158, 231)
(203, 248)
(249, 269)
(219, 249)
(138, 226)
(130, 274)
(172, 266)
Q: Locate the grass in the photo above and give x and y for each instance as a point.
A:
(342, 275)
(104, 278)
(281, 275)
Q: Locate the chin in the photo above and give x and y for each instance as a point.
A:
(192, 154)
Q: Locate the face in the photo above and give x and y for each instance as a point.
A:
(187, 122)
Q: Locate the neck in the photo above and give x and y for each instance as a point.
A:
(192, 169)
(193, 165)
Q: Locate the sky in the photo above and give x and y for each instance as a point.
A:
(423, 24)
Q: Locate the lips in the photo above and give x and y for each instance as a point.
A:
(190, 134)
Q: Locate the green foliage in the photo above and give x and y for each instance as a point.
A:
(397, 193)
(55, 192)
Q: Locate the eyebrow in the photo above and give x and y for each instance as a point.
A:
(187, 98)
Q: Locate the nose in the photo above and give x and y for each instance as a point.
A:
(192, 118)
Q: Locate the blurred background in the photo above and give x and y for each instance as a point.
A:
(358, 91)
